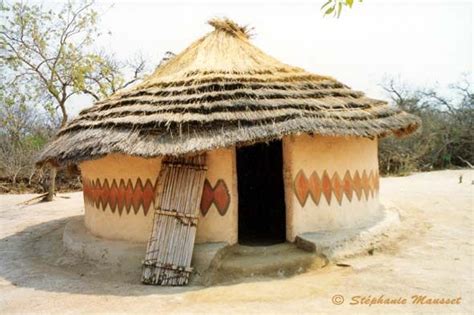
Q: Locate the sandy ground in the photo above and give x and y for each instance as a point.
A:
(433, 257)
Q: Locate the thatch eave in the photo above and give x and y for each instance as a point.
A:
(79, 146)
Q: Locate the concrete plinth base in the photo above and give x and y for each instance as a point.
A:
(127, 257)
(212, 262)
(219, 263)
(277, 261)
(349, 242)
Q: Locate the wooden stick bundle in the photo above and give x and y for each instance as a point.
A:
(169, 251)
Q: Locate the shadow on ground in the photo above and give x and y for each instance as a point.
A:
(35, 258)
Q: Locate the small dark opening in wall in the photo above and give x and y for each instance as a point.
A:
(262, 218)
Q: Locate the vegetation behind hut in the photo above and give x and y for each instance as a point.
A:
(447, 137)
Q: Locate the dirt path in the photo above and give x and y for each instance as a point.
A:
(433, 258)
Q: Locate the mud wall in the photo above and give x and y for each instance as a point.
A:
(120, 193)
(330, 183)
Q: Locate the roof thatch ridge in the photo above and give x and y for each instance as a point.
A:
(230, 27)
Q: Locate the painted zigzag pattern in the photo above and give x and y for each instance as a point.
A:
(314, 186)
(124, 196)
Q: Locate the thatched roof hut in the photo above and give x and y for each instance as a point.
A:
(287, 152)
(219, 92)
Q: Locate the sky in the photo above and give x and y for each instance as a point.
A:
(421, 42)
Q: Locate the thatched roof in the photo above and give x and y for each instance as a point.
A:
(222, 91)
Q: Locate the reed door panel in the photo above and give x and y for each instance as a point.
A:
(170, 246)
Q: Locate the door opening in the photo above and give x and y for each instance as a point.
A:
(262, 218)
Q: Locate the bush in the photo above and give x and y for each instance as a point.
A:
(446, 138)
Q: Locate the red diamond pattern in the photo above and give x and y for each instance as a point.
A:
(366, 186)
(218, 195)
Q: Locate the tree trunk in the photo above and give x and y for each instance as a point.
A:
(52, 184)
(52, 170)
(30, 177)
(64, 119)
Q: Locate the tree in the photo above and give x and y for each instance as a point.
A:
(24, 129)
(334, 7)
(456, 143)
(447, 135)
(53, 51)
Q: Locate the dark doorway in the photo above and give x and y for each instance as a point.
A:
(261, 194)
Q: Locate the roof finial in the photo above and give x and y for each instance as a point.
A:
(229, 26)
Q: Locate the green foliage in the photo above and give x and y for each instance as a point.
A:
(52, 52)
(334, 7)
